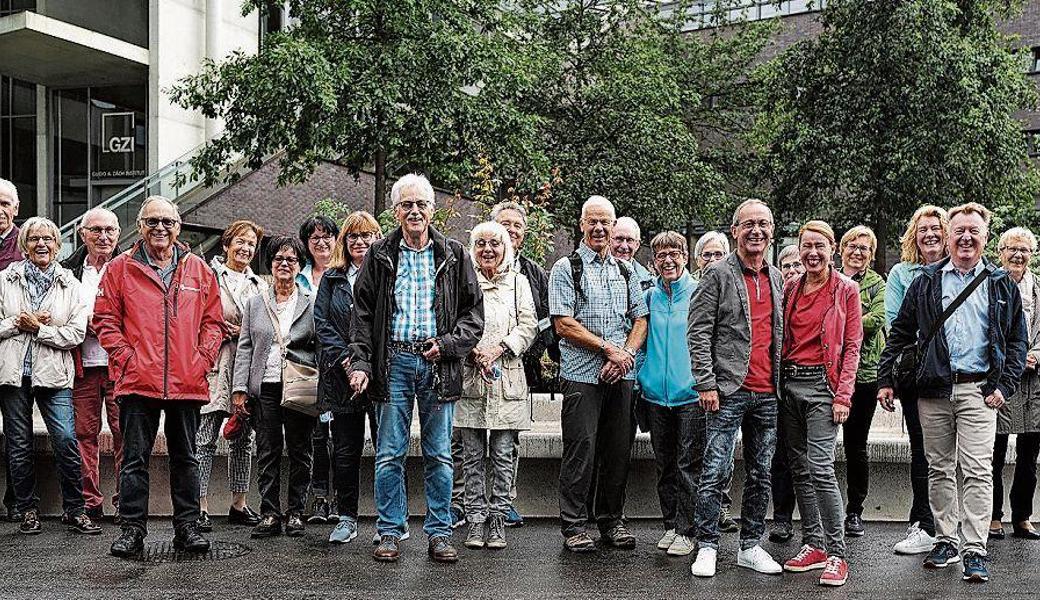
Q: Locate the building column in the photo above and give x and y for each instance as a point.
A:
(214, 19)
(43, 154)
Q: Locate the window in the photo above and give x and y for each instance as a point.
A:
(703, 13)
(1034, 62)
(272, 21)
(18, 140)
(9, 7)
(1033, 143)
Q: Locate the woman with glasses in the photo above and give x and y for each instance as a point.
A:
(857, 253)
(318, 234)
(237, 284)
(41, 321)
(258, 376)
(1021, 414)
(332, 312)
(790, 262)
(710, 249)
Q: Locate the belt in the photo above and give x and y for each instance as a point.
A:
(413, 347)
(968, 377)
(793, 370)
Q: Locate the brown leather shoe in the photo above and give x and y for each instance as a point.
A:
(441, 549)
(388, 550)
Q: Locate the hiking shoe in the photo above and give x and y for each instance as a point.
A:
(941, 556)
(619, 537)
(580, 543)
(320, 510)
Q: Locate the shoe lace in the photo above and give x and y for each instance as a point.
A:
(833, 565)
(804, 552)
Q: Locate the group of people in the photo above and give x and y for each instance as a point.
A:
(354, 331)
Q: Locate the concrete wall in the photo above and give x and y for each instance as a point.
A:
(125, 20)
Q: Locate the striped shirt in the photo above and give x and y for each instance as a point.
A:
(414, 318)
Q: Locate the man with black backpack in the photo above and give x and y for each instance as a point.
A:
(964, 317)
(599, 313)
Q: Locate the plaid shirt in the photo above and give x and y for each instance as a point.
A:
(608, 313)
(414, 318)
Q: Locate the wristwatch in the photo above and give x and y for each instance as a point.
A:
(506, 349)
(630, 351)
(603, 347)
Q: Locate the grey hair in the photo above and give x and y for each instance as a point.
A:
(499, 232)
(152, 199)
(508, 205)
(631, 223)
(745, 204)
(597, 201)
(98, 211)
(38, 223)
(9, 189)
(1017, 232)
(711, 236)
(788, 250)
(412, 181)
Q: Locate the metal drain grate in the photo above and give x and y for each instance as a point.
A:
(163, 552)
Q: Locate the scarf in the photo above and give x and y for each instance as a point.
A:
(38, 282)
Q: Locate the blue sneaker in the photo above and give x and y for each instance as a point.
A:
(458, 517)
(975, 568)
(941, 556)
(513, 518)
(344, 532)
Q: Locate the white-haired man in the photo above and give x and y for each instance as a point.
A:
(9, 253)
(599, 312)
(624, 243)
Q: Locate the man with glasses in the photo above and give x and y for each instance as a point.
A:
(9, 253)
(93, 388)
(624, 243)
(735, 332)
(159, 318)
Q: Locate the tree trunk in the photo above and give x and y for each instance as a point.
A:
(380, 191)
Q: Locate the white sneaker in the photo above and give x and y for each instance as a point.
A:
(917, 541)
(757, 559)
(704, 566)
(682, 546)
(666, 540)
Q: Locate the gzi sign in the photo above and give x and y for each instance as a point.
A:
(117, 133)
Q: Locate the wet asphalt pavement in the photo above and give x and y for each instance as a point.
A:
(58, 564)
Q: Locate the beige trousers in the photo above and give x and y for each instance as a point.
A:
(959, 431)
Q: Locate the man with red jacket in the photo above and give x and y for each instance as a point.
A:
(158, 316)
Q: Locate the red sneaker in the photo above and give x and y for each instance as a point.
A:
(807, 559)
(836, 572)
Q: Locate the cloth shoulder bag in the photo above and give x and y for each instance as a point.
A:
(299, 381)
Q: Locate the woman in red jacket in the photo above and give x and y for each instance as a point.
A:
(822, 335)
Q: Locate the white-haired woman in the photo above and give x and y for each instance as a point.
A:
(41, 321)
(1021, 414)
(709, 249)
(494, 406)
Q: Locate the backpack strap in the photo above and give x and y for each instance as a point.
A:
(577, 268)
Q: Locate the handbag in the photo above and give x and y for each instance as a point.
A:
(299, 381)
(905, 369)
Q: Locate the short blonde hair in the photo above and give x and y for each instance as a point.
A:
(819, 227)
(38, 223)
(358, 221)
(909, 252)
(857, 232)
(669, 239)
(500, 233)
(239, 227)
(972, 208)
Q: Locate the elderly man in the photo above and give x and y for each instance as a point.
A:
(93, 388)
(159, 318)
(418, 312)
(624, 243)
(735, 333)
(964, 317)
(9, 253)
(599, 312)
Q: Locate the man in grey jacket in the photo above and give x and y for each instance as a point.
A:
(735, 332)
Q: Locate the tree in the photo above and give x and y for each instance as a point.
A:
(423, 85)
(898, 103)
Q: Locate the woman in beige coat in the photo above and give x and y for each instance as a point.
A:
(494, 404)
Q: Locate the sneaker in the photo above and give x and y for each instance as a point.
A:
(757, 559)
(704, 565)
(726, 522)
(975, 568)
(204, 523)
(619, 537)
(475, 537)
(376, 538)
(81, 523)
(580, 543)
(319, 510)
(294, 525)
(781, 533)
(496, 532)
(941, 556)
(513, 518)
(681, 546)
(96, 513)
(666, 540)
(344, 531)
(129, 543)
(836, 573)
(30, 523)
(854, 525)
(917, 541)
(807, 559)
(458, 517)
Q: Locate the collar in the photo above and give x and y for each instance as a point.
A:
(589, 255)
(404, 246)
(748, 270)
(3, 236)
(973, 271)
(173, 260)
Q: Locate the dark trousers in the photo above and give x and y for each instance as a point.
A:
(348, 442)
(920, 510)
(780, 477)
(677, 435)
(1024, 484)
(597, 424)
(321, 461)
(278, 428)
(854, 436)
(139, 419)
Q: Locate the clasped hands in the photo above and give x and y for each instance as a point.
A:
(30, 321)
(619, 363)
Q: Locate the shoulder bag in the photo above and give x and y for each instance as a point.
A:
(299, 381)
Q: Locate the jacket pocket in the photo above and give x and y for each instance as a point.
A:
(514, 382)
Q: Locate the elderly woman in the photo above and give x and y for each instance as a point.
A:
(923, 243)
(277, 325)
(332, 311)
(822, 336)
(666, 379)
(41, 321)
(318, 234)
(237, 284)
(494, 405)
(858, 246)
(712, 247)
(790, 262)
(1021, 414)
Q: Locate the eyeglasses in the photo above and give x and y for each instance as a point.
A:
(166, 222)
(716, 255)
(98, 230)
(672, 255)
(367, 236)
(791, 265)
(495, 244)
(1017, 250)
(408, 205)
(625, 240)
(601, 222)
(317, 239)
(289, 260)
(751, 224)
(859, 248)
(36, 239)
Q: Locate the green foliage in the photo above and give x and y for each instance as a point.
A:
(898, 103)
(331, 208)
(442, 216)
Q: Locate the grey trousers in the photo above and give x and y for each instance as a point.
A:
(239, 460)
(458, 481)
(807, 416)
(498, 444)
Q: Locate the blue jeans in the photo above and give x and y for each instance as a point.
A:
(412, 380)
(55, 405)
(754, 414)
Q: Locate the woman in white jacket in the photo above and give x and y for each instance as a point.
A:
(41, 321)
(494, 404)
